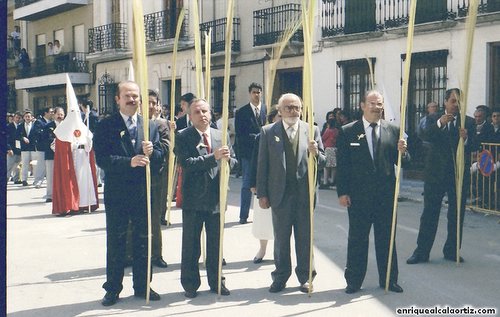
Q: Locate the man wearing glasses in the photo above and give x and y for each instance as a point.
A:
(282, 184)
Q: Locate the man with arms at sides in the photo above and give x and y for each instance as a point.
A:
(248, 121)
(367, 152)
(49, 138)
(200, 153)
(443, 131)
(13, 149)
(282, 184)
(42, 145)
(123, 153)
(158, 182)
(27, 136)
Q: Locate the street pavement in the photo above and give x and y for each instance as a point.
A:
(56, 266)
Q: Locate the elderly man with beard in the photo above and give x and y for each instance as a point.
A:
(282, 184)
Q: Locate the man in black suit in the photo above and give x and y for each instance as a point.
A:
(484, 129)
(443, 132)
(159, 182)
(184, 121)
(367, 152)
(42, 145)
(282, 184)
(200, 152)
(48, 140)
(248, 120)
(13, 149)
(123, 153)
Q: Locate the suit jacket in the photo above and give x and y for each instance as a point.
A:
(200, 175)
(247, 127)
(164, 133)
(11, 138)
(47, 138)
(439, 165)
(181, 123)
(271, 165)
(485, 134)
(125, 185)
(357, 175)
(33, 136)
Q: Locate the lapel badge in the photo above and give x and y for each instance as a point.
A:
(361, 136)
(276, 138)
(122, 133)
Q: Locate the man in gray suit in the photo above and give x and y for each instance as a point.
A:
(282, 183)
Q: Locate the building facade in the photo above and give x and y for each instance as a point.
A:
(358, 45)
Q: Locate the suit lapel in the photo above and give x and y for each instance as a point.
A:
(140, 134)
(360, 137)
(303, 140)
(278, 139)
(125, 140)
(216, 142)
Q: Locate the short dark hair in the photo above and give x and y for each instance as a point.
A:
(154, 93)
(46, 109)
(27, 111)
(189, 97)
(254, 85)
(272, 114)
(122, 83)
(450, 91)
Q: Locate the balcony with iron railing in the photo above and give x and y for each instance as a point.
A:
(162, 25)
(343, 17)
(218, 35)
(31, 10)
(68, 62)
(269, 24)
(108, 37)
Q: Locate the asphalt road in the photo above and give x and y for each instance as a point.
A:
(56, 267)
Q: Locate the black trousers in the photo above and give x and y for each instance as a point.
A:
(117, 221)
(433, 197)
(362, 214)
(192, 223)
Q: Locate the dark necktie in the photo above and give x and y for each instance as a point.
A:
(257, 116)
(374, 140)
(132, 130)
(205, 140)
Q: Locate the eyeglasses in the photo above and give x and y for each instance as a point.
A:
(289, 108)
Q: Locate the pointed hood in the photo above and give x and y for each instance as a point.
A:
(72, 129)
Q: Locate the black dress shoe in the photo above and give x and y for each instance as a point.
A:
(223, 290)
(243, 221)
(25, 183)
(109, 299)
(415, 258)
(453, 258)
(257, 260)
(18, 182)
(190, 294)
(224, 261)
(394, 287)
(351, 289)
(152, 295)
(164, 222)
(304, 288)
(48, 200)
(277, 287)
(159, 262)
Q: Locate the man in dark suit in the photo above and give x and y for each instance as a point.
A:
(367, 152)
(484, 129)
(49, 145)
(42, 144)
(123, 153)
(282, 184)
(184, 121)
(159, 182)
(13, 149)
(200, 153)
(27, 135)
(443, 132)
(248, 120)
